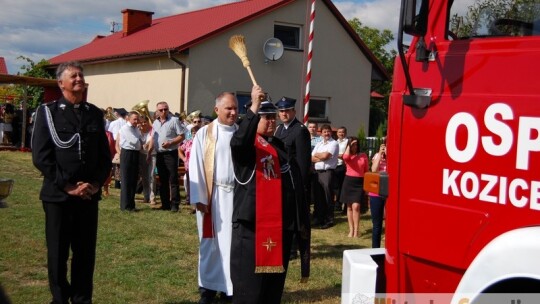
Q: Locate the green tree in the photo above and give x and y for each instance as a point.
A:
(32, 69)
(362, 137)
(7, 92)
(378, 42)
(481, 16)
(381, 130)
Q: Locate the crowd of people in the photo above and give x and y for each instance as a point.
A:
(11, 125)
(145, 148)
(337, 179)
(7, 115)
(250, 182)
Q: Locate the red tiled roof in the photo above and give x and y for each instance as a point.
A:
(179, 32)
(176, 32)
(3, 67)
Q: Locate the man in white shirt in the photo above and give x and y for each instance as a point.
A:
(211, 179)
(313, 128)
(128, 144)
(339, 173)
(114, 128)
(119, 122)
(325, 156)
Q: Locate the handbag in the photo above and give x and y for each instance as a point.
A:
(116, 159)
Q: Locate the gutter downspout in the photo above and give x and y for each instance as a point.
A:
(183, 83)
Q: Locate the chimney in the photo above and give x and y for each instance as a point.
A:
(134, 20)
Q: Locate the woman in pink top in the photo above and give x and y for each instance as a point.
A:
(352, 190)
(184, 152)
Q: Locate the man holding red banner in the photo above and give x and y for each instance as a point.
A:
(267, 198)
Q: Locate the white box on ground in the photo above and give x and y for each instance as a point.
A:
(359, 275)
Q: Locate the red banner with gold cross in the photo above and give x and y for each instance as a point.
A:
(268, 210)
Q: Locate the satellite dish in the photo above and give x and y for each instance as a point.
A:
(273, 49)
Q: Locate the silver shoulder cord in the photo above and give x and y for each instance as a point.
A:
(249, 179)
(284, 169)
(57, 141)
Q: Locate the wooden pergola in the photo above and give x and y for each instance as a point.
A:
(51, 92)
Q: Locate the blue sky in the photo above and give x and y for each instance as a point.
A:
(40, 29)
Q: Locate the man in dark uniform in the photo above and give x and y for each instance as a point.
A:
(295, 136)
(266, 207)
(298, 143)
(70, 148)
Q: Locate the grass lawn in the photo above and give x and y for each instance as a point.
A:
(144, 257)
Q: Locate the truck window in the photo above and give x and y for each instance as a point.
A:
(493, 18)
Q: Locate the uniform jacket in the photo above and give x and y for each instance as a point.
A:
(61, 166)
(298, 143)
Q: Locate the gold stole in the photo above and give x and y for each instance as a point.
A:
(208, 162)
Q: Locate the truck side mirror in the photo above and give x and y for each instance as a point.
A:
(415, 15)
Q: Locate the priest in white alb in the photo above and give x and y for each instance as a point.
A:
(211, 191)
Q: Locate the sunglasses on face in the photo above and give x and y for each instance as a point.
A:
(163, 110)
(196, 121)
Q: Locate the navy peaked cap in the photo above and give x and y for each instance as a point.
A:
(267, 108)
(285, 103)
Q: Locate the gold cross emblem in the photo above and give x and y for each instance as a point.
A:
(269, 244)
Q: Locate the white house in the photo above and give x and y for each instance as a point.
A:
(185, 60)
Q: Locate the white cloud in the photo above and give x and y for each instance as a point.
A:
(43, 29)
(40, 29)
(380, 14)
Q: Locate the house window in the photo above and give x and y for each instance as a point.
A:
(243, 99)
(318, 109)
(289, 35)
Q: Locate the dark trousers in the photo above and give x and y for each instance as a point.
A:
(129, 175)
(71, 224)
(339, 176)
(323, 196)
(169, 190)
(186, 186)
(313, 184)
(248, 286)
(376, 204)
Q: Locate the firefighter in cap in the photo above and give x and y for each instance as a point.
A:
(297, 140)
(295, 136)
(266, 207)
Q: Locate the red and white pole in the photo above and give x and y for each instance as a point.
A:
(310, 55)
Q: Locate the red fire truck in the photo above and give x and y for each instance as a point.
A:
(463, 210)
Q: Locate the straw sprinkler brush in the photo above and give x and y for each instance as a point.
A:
(238, 45)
